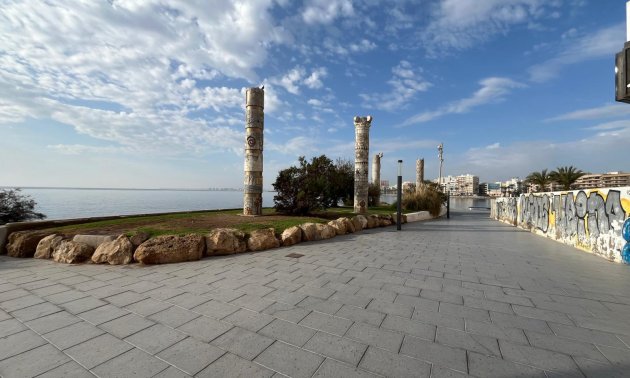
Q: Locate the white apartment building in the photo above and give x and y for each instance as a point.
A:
(462, 185)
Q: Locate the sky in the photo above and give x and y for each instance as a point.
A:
(150, 94)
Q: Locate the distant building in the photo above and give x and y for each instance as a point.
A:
(462, 185)
(384, 183)
(602, 180)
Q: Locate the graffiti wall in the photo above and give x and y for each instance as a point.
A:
(594, 220)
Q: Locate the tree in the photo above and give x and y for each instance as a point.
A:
(566, 176)
(541, 179)
(314, 185)
(17, 207)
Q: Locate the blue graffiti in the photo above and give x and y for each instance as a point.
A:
(625, 232)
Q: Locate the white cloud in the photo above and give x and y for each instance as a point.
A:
(294, 78)
(460, 24)
(493, 90)
(314, 80)
(335, 47)
(326, 11)
(315, 102)
(363, 46)
(406, 81)
(606, 111)
(602, 43)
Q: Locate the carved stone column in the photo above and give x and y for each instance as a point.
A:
(419, 174)
(376, 173)
(254, 126)
(361, 162)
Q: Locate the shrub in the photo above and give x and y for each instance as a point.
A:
(374, 194)
(427, 198)
(17, 207)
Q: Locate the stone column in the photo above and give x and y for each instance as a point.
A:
(376, 173)
(419, 174)
(254, 125)
(361, 162)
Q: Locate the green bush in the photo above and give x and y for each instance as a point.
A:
(374, 194)
(17, 207)
(428, 198)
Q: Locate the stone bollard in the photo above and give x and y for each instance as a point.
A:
(361, 157)
(254, 127)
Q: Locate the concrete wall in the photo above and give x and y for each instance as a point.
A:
(594, 220)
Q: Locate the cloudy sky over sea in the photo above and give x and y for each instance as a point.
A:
(151, 93)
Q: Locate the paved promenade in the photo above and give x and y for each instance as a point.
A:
(438, 299)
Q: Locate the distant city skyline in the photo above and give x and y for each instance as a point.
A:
(151, 95)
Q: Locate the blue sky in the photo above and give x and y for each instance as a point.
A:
(151, 94)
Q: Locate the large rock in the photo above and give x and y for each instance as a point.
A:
(262, 239)
(138, 239)
(325, 231)
(309, 232)
(372, 221)
(47, 246)
(338, 226)
(71, 252)
(170, 249)
(291, 236)
(115, 252)
(360, 222)
(24, 243)
(349, 225)
(225, 241)
(384, 220)
(93, 240)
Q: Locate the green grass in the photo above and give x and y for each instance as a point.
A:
(348, 211)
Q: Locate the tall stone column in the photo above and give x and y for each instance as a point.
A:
(419, 174)
(361, 162)
(376, 174)
(254, 126)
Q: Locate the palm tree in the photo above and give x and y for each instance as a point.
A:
(566, 176)
(541, 179)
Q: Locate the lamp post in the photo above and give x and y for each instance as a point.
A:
(440, 155)
(622, 65)
(399, 205)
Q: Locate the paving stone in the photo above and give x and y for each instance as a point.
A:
(52, 322)
(375, 336)
(230, 365)
(331, 369)
(486, 304)
(204, 328)
(286, 312)
(442, 296)
(361, 315)
(216, 309)
(454, 358)
(465, 312)
(401, 310)
(350, 299)
(252, 302)
(617, 356)
(163, 293)
(288, 332)
(66, 296)
(326, 323)
(339, 348)
(134, 363)
(20, 342)
(537, 313)
(566, 346)
(72, 335)
(251, 320)
(188, 300)
(82, 305)
(174, 316)
(97, 350)
(493, 330)
(392, 364)
(33, 362)
(513, 321)
(285, 296)
(124, 299)
(20, 303)
(417, 302)
(103, 314)
(539, 358)
(148, 307)
(172, 372)
(409, 327)
(438, 371)
(49, 290)
(483, 366)
(438, 319)
(10, 326)
(68, 370)
(320, 305)
(126, 325)
(36, 311)
(459, 339)
(243, 343)
(382, 295)
(593, 368)
(289, 360)
(156, 338)
(143, 286)
(191, 355)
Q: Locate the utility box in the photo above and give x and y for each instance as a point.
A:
(622, 75)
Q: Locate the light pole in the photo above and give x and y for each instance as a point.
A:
(441, 156)
(399, 205)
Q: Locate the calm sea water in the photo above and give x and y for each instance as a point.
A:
(77, 203)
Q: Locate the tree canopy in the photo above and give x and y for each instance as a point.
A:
(17, 207)
(566, 176)
(541, 179)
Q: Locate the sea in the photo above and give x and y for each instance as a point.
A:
(68, 203)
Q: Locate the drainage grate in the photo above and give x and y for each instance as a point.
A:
(294, 255)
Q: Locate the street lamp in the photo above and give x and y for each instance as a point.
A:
(399, 205)
(440, 148)
(622, 66)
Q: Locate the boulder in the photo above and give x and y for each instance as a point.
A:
(291, 236)
(115, 252)
(372, 221)
(71, 252)
(403, 218)
(349, 225)
(225, 241)
(338, 226)
(24, 243)
(262, 239)
(309, 232)
(384, 220)
(47, 246)
(325, 231)
(138, 239)
(360, 222)
(93, 240)
(170, 249)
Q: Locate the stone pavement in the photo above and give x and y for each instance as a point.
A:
(442, 299)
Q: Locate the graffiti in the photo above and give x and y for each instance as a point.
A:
(592, 220)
